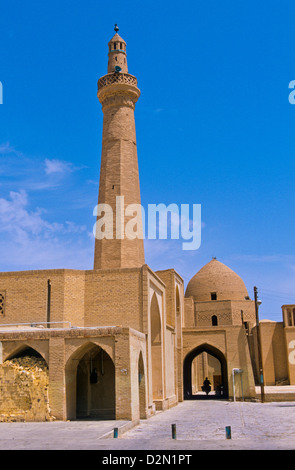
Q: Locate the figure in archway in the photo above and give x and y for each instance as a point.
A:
(206, 386)
(187, 372)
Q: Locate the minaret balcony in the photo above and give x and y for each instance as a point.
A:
(119, 77)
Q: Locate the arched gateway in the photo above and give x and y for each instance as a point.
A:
(187, 372)
(90, 379)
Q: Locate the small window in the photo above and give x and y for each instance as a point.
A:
(289, 317)
(121, 45)
(213, 296)
(115, 46)
(214, 320)
(2, 303)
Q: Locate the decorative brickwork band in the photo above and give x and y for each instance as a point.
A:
(119, 99)
(111, 78)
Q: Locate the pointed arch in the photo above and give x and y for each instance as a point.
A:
(178, 322)
(156, 330)
(24, 350)
(156, 349)
(141, 387)
(187, 368)
(90, 384)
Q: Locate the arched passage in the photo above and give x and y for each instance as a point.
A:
(141, 387)
(90, 379)
(24, 374)
(156, 349)
(187, 372)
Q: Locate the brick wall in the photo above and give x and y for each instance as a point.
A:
(26, 295)
(24, 391)
(114, 297)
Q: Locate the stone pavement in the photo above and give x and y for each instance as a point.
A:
(57, 435)
(200, 425)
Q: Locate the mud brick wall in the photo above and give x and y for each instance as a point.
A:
(24, 390)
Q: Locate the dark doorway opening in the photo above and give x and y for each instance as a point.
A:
(95, 385)
(219, 382)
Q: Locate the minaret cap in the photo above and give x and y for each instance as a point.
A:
(117, 54)
(116, 37)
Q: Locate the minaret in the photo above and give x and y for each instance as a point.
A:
(119, 179)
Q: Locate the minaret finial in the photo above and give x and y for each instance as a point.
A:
(117, 54)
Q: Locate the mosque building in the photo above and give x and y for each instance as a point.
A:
(121, 341)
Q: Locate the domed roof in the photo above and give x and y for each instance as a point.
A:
(216, 278)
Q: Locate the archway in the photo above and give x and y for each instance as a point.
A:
(25, 351)
(220, 387)
(90, 378)
(178, 316)
(25, 376)
(141, 388)
(156, 349)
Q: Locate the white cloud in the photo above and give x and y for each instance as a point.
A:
(18, 221)
(34, 234)
(6, 148)
(28, 240)
(30, 173)
(56, 166)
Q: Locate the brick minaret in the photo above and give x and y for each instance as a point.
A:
(118, 93)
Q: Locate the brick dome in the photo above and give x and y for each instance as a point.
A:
(216, 280)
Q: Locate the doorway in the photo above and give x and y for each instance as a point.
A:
(205, 362)
(95, 385)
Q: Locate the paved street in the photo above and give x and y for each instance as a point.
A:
(199, 425)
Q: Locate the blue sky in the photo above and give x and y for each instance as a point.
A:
(214, 127)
